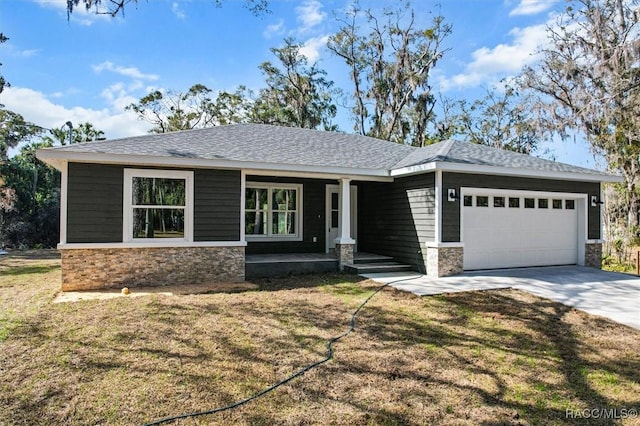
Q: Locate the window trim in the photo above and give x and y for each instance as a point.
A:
(127, 203)
(270, 186)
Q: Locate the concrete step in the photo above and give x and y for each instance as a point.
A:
(366, 258)
(371, 268)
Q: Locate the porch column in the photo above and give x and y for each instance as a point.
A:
(344, 242)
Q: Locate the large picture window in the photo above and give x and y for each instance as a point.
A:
(272, 211)
(157, 205)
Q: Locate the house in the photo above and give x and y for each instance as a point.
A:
(192, 206)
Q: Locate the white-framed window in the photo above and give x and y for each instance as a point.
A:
(157, 205)
(273, 211)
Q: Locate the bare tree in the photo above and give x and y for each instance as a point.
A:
(390, 67)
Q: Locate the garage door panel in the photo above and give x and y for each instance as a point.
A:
(502, 237)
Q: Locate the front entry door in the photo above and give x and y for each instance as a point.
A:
(333, 215)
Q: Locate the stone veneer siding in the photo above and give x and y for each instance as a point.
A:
(344, 253)
(593, 255)
(444, 261)
(89, 269)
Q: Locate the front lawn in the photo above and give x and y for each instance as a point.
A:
(483, 358)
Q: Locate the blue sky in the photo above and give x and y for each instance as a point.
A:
(91, 67)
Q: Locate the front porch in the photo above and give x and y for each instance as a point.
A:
(283, 264)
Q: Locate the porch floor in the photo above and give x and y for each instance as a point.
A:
(308, 257)
(289, 257)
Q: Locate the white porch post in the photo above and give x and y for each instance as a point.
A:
(344, 205)
(344, 242)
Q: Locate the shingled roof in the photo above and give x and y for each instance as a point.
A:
(287, 146)
(460, 152)
(258, 143)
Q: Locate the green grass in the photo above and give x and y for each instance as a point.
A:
(24, 271)
(486, 358)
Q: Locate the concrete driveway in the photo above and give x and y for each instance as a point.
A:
(609, 294)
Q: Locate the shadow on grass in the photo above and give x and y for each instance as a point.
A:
(42, 254)
(556, 336)
(28, 270)
(255, 343)
(293, 282)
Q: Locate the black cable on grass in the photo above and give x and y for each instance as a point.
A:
(328, 357)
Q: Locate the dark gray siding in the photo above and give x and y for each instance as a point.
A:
(94, 203)
(451, 210)
(395, 218)
(216, 205)
(94, 212)
(313, 211)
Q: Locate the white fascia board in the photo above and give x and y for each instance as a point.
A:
(52, 156)
(58, 163)
(150, 244)
(505, 171)
(413, 170)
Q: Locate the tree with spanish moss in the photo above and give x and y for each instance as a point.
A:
(296, 94)
(389, 64)
(588, 81)
(500, 119)
(117, 7)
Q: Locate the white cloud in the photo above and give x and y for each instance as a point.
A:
(38, 108)
(311, 48)
(132, 72)
(275, 29)
(28, 53)
(119, 96)
(178, 11)
(503, 60)
(12, 50)
(310, 15)
(532, 7)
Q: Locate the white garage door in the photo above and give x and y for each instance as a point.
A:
(510, 229)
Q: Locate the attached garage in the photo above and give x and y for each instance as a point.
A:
(505, 229)
(442, 208)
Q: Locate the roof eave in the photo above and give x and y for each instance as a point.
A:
(58, 157)
(504, 171)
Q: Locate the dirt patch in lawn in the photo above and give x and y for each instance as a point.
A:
(169, 290)
(488, 358)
